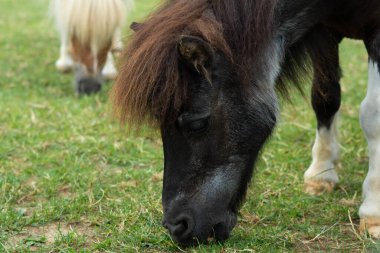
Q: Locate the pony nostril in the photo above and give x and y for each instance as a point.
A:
(181, 228)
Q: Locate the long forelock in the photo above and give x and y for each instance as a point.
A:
(150, 87)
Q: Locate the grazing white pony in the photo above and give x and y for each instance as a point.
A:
(90, 32)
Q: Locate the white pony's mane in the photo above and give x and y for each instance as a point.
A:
(92, 22)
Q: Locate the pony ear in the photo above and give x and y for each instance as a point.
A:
(136, 26)
(198, 53)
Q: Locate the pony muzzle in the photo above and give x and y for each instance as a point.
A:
(87, 86)
(188, 227)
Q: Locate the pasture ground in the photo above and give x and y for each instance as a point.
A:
(72, 180)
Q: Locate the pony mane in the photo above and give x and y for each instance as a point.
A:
(149, 86)
(91, 22)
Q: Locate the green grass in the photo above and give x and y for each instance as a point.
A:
(66, 166)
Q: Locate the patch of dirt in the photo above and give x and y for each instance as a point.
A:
(326, 244)
(31, 190)
(158, 177)
(349, 202)
(25, 211)
(66, 192)
(129, 184)
(249, 218)
(47, 234)
(31, 182)
(322, 243)
(17, 163)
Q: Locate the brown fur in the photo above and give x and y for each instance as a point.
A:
(84, 55)
(149, 86)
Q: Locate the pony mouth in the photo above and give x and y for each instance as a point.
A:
(215, 234)
(220, 232)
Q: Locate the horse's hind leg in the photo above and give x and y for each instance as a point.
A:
(370, 121)
(321, 176)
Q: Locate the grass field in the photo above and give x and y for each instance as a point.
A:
(72, 180)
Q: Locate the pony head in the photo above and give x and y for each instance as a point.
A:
(185, 71)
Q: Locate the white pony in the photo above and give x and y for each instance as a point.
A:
(90, 32)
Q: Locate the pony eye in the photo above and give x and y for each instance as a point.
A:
(193, 123)
(198, 125)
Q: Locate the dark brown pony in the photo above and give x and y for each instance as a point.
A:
(206, 73)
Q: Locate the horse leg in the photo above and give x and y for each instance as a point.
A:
(370, 121)
(109, 71)
(321, 175)
(65, 63)
(117, 43)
